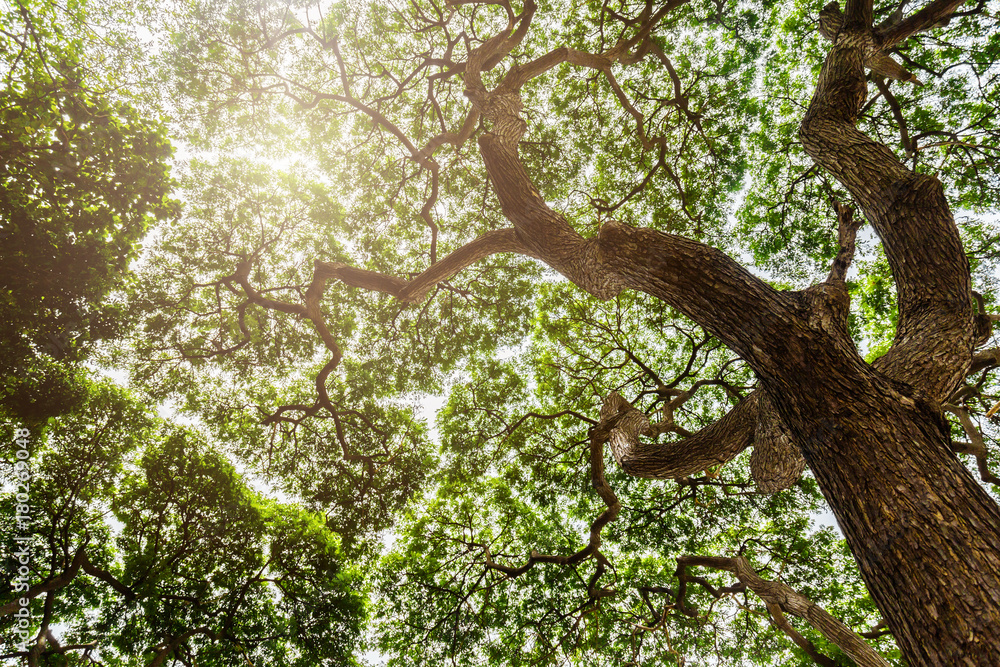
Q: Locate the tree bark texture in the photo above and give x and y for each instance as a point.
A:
(780, 598)
(925, 534)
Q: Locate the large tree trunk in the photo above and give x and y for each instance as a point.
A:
(925, 534)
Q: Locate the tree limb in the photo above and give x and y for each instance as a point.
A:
(490, 243)
(51, 584)
(831, 21)
(598, 436)
(929, 17)
(910, 215)
(711, 446)
(976, 445)
(792, 602)
(107, 577)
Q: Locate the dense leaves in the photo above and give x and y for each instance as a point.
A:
(82, 177)
(146, 544)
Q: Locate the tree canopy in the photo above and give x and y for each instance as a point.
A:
(503, 333)
(83, 176)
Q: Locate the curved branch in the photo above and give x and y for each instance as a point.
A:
(910, 215)
(598, 436)
(909, 146)
(740, 309)
(931, 16)
(713, 445)
(779, 621)
(792, 602)
(976, 445)
(242, 276)
(490, 243)
(985, 360)
(51, 584)
(489, 54)
(744, 312)
(108, 578)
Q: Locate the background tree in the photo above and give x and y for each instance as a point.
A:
(84, 175)
(148, 548)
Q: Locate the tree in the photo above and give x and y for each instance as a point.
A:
(84, 176)
(147, 547)
(611, 146)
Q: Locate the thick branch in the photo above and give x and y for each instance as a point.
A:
(713, 445)
(108, 578)
(831, 21)
(987, 359)
(671, 268)
(847, 231)
(490, 243)
(910, 215)
(929, 17)
(792, 602)
(776, 462)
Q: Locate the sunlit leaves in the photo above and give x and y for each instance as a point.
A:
(182, 557)
(82, 177)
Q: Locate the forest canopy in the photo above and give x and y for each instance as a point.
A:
(500, 332)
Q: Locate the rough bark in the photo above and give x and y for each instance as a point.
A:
(925, 535)
(711, 446)
(777, 461)
(781, 598)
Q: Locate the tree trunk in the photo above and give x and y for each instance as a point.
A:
(925, 534)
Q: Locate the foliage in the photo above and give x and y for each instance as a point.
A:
(175, 548)
(83, 177)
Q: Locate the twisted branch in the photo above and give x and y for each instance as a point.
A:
(780, 599)
(713, 445)
(599, 434)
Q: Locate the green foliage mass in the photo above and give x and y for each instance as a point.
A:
(175, 544)
(82, 178)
